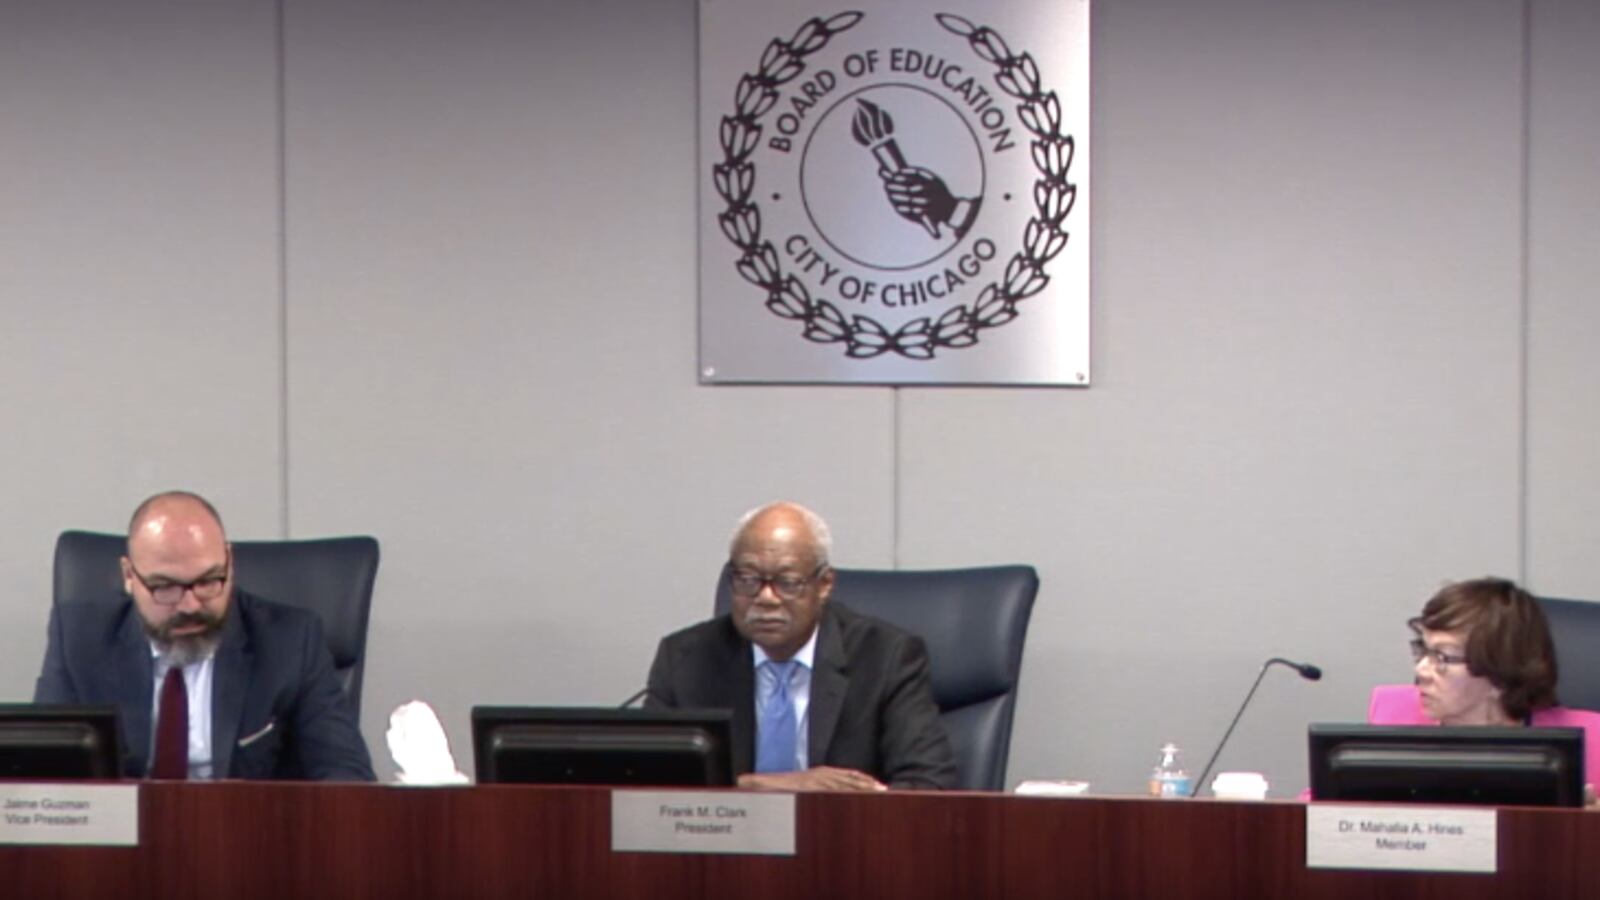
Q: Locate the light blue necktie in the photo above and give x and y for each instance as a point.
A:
(775, 731)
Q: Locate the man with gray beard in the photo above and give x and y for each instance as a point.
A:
(823, 698)
(209, 681)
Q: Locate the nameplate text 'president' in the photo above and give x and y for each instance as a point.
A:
(702, 822)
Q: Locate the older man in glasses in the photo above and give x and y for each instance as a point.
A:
(823, 698)
(210, 682)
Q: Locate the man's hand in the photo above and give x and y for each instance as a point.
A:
(1589, 801)
(816, 778)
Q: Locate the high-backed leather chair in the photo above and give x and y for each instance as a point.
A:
(331, 576)
(1575, 626)
(974, 622)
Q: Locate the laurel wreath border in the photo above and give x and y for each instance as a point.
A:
(1043, 237)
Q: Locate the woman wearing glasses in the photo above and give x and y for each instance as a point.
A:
(1484, 657)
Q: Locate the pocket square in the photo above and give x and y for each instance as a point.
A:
(249, 739)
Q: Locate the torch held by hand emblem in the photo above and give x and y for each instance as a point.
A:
(874, 129)
(916, 194)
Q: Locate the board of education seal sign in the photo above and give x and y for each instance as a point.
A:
(894, 194)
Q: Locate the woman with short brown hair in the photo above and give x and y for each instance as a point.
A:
(1484, 656)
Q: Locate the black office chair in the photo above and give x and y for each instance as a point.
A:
(331, 576)
(974, 622)
(1575, 626)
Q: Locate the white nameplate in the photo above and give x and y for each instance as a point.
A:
(1418, 838)
(104, 815)
(702, 822)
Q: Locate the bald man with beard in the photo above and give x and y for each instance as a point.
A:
(253, 679)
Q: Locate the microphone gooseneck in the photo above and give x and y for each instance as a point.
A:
(634, 699)
(1307, 671)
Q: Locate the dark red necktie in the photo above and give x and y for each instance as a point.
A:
(172, 731)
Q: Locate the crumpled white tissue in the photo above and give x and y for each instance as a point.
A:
(418, 745)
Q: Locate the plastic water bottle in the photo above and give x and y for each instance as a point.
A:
(1168, 779)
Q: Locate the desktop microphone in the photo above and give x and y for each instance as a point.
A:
(1306, 670)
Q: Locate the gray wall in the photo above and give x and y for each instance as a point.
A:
(426, 270)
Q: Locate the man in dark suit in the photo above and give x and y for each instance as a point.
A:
(823, 698)
(209, 681)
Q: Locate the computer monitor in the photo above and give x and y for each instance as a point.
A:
(1435, 764)
(567, 745)
(59, 742)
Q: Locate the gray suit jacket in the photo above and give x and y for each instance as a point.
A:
(871, 703)
(277, 710)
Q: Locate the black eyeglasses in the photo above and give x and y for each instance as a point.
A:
(787, 587)
(170, 593)
(1438, 658)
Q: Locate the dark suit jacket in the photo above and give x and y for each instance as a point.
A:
(871, 703)
(277, 710)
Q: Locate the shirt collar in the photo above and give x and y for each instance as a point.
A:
(805, 656)
(161, 665)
